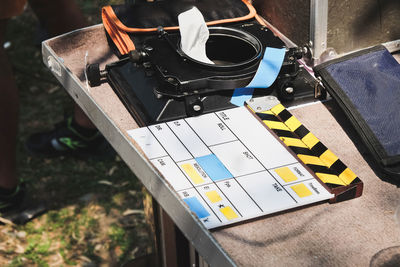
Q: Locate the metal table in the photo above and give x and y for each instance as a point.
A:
(346, 233)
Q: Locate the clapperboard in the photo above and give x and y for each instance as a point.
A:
(242, 163)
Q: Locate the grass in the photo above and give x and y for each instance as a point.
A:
(89, 222)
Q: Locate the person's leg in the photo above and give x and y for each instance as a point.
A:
(9, 104)
(76, 135)
(58, 17)
(81, 118)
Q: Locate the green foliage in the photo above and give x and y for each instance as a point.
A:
(35, 252)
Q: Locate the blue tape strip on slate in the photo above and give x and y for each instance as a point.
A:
(265, 76)
(195, 206)
(240, 95)
(214, 168)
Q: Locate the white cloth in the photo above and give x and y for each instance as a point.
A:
(194, 34)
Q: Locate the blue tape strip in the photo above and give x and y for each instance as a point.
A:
(269, 68)
(195, 206)
(214, 168)
(265, 76)
(240, 95)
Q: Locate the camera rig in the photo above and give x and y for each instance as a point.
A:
(159, 82)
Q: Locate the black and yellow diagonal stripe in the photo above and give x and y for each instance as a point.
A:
(318, 149)
(338, 178)
(300, 149)
(326, 165)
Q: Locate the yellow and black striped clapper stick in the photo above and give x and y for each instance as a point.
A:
(331, 171)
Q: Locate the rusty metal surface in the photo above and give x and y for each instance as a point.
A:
(357, 24)
(291, 17)
(352, 25)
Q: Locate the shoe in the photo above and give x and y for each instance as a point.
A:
(12, 199)
(69, 139)
(16, 208)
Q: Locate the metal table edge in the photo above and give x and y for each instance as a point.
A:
(199, 236)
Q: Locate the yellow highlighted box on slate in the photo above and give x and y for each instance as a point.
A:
(213, 196)
(286, 174)
(301, 190)
(192, 173)
(229, 213)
